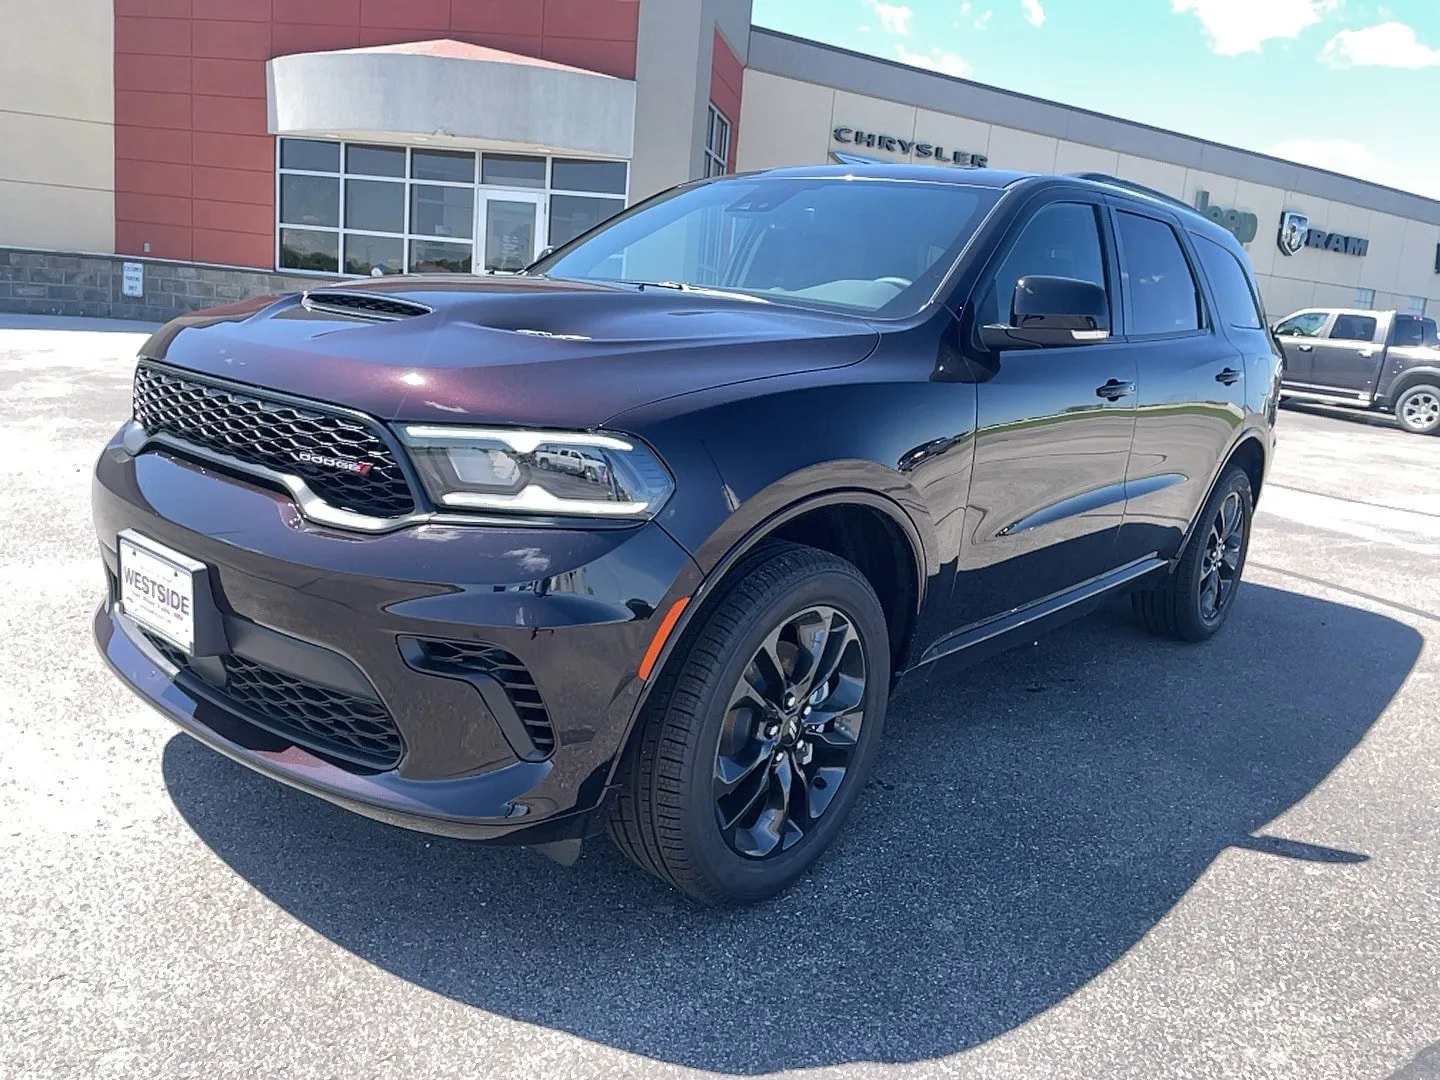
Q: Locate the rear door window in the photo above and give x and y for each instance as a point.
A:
(1230, 284)
(1164, 298)
(1353, 328)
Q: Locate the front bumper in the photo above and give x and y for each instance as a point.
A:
(578, 609)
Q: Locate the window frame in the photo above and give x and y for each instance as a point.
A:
(1374, 329)
(409, 183)
(717, 162)
(1204, 309)
(1109, 255)
(1327, 317)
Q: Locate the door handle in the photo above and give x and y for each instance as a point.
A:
(1367, 353)
(1305, 348)
(1229, 376)
(1114, 390)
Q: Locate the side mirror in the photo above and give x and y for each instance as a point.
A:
(1050, 312)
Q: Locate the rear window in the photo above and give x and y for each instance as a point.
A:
(1230, 284)
(1353, 328)
(1413, 330)
(1163, 296)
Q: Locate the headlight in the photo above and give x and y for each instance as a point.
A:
(537, 473)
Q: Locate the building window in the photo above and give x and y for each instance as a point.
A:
(1365, 298)
(1417, 306)
(363, 209)
(717, 144)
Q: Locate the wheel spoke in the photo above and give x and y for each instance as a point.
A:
(749, 804)
(1229, 516)
(811, 634)
(1210, 594)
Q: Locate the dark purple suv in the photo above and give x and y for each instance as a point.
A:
(640, 540)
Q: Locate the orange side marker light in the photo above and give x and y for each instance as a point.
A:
(662, 635)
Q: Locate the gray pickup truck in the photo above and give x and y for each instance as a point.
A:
(1379, 360)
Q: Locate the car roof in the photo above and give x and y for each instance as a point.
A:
(1007, 178)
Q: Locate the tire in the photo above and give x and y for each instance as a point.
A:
(1180, 607)
(668, 814)
(1418, 409)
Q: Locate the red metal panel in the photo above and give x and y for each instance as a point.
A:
(247, 10)
(287, 39)
(235, 217)
(507, 17)
(608, 57)
(152, 177)
(236, 116)
(429, 17)
(167, 241)
(152, 144)
(234, 248)
(319, 12)
(226, 151)
(228, 78)
(152, 209)
(147, 109)
(173, 9)
(227, 40)
(162, 74)
(595, 20)
(234, 185)
(153, 37)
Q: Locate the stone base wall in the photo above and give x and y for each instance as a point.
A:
(49, 283)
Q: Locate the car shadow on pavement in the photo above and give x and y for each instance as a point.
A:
(1029, 821)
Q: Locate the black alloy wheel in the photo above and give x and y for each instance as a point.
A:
(1193, 602)
(1220, 562)
(790, 732)
(762, 726)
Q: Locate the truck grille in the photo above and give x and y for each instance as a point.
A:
(250, 428)
(327, 721)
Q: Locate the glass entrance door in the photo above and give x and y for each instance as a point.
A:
(511, 227)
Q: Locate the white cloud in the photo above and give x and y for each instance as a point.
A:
(1034, 13)
(984, 20)
(894, 18)
(1241, 26)
(1391, 44)
(1337, 155)
(947, 63)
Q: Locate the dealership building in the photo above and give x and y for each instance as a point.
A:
(162, 155)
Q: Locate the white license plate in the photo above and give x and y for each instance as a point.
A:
(157, 589)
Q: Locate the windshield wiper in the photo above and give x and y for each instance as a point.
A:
(700, 290)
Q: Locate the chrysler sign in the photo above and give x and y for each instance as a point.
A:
(908, 147)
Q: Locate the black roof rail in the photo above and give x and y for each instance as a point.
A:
(1130, 185)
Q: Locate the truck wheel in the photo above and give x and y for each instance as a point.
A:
(1418, 409)
(758, 738)
(1195, 600)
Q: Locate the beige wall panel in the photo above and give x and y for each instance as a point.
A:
(1265, 203)
(1335, 296)
(1022, 150)
(1415, 269)
(872, 115)
(1081, 157)
(50, 150)
(57, 58)
(783, 122)
(953, 132)
(1221, 188)
(62, 219)
(1160, 175)
(1387, 242)
(1284, 295)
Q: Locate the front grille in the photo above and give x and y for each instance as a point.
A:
(327, 721)
(255, 430)
(364, 305)
(463, 658)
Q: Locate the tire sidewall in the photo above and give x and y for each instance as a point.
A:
(1194, 625)
(738, 876)
(1422, 388)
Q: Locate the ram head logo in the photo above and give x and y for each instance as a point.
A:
(1293, 227)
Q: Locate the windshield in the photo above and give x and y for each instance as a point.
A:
(873, 246)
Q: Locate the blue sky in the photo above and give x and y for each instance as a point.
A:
(1348, 85)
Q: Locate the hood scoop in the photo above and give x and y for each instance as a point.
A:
(373, 307)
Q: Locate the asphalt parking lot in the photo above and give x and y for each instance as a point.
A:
(1102, 856)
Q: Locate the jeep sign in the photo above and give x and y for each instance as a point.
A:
(1241, 224)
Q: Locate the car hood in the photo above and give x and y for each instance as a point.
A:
(505, 350)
